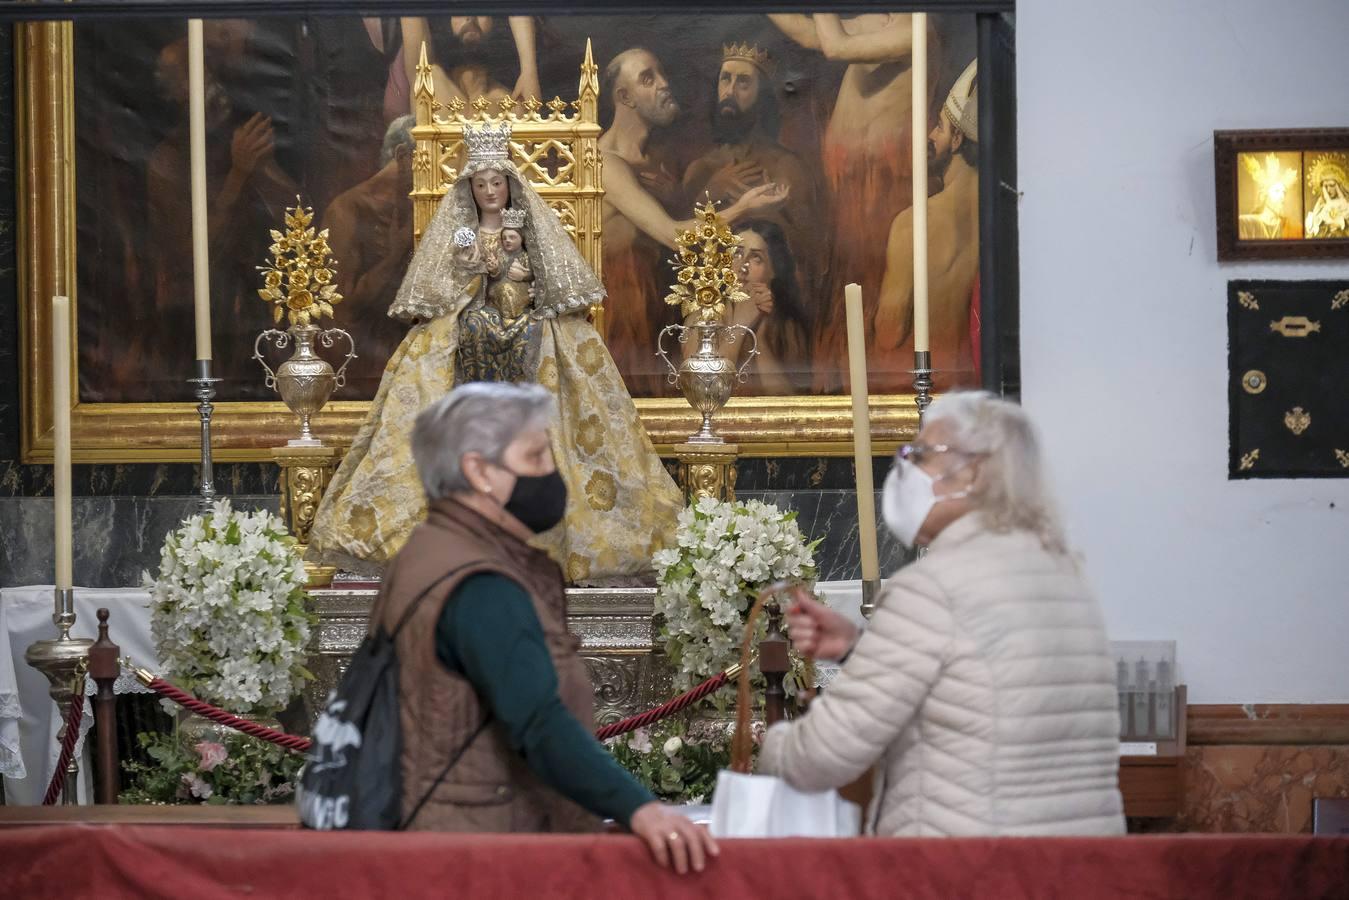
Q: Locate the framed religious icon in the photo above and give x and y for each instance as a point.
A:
(622, 124)
(1282, 194)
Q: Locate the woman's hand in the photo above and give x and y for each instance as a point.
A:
(672, 838)
(761, 295)
(818, 631)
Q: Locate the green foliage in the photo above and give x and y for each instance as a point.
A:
(672, 766)
(237, 770)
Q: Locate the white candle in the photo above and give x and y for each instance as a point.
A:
(861, 424)
(61, 423)
(196, 126)
(920, 131)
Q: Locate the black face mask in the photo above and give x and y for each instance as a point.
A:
(538, 501)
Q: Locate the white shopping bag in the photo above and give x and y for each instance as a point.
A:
(765, 806)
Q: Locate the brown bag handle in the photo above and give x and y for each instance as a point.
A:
(742, 741)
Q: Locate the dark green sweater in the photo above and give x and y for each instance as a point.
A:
(490, 632)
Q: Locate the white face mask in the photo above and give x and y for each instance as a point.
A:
(908, 498)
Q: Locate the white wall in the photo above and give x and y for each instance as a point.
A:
(1124, 329)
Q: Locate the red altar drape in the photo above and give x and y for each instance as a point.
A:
(201, 863)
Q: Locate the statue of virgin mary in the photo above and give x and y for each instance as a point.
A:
(621, 503)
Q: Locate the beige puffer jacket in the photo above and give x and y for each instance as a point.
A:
(983, 688)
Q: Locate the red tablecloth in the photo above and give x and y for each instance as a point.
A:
(200, 863)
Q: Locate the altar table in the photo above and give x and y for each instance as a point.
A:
(60, 862)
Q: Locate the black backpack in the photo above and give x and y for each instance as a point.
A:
(352, 778)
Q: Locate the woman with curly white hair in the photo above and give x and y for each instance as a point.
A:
(982, 689)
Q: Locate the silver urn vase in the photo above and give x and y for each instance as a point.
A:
(306, 380)
(706, 377)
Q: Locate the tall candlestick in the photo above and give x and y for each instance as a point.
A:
(196, 126)
(61, 421)
(861, 424)
(920, 131)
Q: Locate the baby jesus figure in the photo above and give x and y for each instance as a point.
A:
(509, 289)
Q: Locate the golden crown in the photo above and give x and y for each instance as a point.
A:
(751, 54)
(513, 218)
(488, 142)
(1325, 168)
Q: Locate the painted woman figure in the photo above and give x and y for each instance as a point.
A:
(621, 503)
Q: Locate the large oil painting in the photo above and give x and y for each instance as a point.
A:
(797, 125)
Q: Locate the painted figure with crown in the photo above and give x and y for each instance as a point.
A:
(497, 291)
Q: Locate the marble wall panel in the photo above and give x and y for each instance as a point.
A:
(1260, 788)
(115, 538)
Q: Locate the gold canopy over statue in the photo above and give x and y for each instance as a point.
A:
(493, 229)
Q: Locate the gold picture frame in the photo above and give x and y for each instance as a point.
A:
(247, 431)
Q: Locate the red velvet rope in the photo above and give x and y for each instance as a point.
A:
(683, 701)
(302, 744)
(72, 735)
(215, 714)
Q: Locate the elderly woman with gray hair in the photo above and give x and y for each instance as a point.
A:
(496, 707)
(982, 689)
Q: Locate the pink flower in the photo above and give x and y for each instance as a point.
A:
(211, 753)
(197, 786)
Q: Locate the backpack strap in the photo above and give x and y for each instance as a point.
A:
(445, 771)
(482, 726)
(412, 607)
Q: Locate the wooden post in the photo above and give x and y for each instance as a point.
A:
(104, 668)
(774, 664)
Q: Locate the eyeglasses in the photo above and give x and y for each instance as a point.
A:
(916, 453)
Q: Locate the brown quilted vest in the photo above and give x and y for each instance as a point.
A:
(490, 788)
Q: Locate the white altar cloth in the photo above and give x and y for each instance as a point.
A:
(29, 720)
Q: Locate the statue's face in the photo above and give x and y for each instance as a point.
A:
(511, 240)
(738, 86)
(751, 259)
(647, 90)
(1331, 188)
(491, 191)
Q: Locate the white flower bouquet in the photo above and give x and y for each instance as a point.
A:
(229, 617)
(725, 554)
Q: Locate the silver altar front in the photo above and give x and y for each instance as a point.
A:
(614, 624)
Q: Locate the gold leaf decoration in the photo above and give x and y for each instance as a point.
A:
(1343, 458)
(705, 284)
(300, 279)
(1340, 300)
(1247, 299)
(1248, 461)
(1297, 420)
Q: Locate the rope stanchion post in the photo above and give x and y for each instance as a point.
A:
(774, 663)
(104, 669)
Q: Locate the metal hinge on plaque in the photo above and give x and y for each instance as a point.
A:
(1295, 326)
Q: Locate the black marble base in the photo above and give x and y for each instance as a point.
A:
(118, 538)
(115, 538)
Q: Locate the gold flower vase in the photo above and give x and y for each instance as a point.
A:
(706, 377)
(306, 380)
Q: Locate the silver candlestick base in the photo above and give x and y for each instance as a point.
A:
(922, 382)
(205, 394)
(59, 660)
(870, 588)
